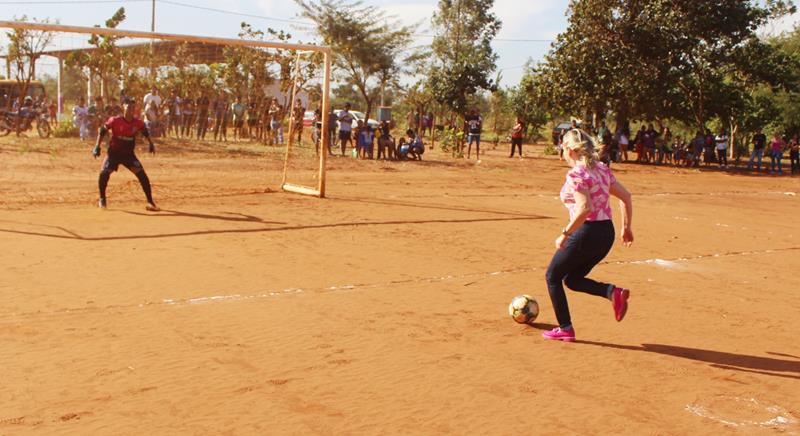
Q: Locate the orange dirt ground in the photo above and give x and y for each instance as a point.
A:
(383, 309)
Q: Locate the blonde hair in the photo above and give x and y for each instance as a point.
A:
(584, 144)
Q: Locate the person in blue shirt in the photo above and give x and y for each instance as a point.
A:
(366, 140)
(411, 146)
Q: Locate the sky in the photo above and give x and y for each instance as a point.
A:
(537, 21)
(529, 26)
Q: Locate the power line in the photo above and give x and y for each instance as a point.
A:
(65, 2)
(306, 23)
(223, 11)
(228, 12)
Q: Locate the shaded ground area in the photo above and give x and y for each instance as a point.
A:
(382, 309)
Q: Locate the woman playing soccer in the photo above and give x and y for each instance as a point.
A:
(588, 237)
(120, 151)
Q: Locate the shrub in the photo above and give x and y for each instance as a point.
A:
(65, 129)
(550, 150)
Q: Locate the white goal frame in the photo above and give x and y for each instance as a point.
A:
(317, 191)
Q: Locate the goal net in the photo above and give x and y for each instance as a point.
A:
(249, 98)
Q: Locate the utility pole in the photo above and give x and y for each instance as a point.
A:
(152, 49)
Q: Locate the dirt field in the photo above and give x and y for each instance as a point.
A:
(383, 309)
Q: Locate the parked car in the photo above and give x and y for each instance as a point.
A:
(308, 118)
(562, 126)
(359, 116)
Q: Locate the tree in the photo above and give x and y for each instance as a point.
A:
(526, 104)
(657, 59)
(24, 49)
(463, 59)
(369, 47)
(104, 62)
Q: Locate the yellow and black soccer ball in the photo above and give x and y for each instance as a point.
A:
(523, 309)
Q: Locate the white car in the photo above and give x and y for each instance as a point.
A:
(358, 116)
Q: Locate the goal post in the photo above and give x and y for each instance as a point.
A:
(210, 49)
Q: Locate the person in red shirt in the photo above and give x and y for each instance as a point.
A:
(120, 151)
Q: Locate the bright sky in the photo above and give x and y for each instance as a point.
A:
(537, 21)
(528, 25)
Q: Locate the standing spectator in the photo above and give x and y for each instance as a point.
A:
(759, 142)
(153, 96)
(651, 135)
(665, 145)
(276, 122)
(602, 131)
(776, 154)
(113, 109)
(80, 118)
(624, 135)
(332, 121)
(473, 124)
(423, 125)
(794, 154)
(237, 110)
(172, 110)
(722, 149)
(151, 119)
(640, 143)
(221, 117)
(345, 127)
(429, 124)
(266, 120)
(516, 137)
(297, 120)
(252, 119)
(698, 143)
(709, 143)
(187, 114)
(96, 113)
(411, 120)
(365, 140)
(202, 115)
(316, 134)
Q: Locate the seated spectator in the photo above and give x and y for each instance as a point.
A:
(411, 146)
(385, 141)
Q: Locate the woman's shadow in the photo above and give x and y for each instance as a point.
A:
(788, 368)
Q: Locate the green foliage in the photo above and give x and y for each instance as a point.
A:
(524, 102)
(369, 46)
(450, 141)
(105, 62)
(685, 60)
(25, 47)
(65, 129)
(550, 150)
(462, 51)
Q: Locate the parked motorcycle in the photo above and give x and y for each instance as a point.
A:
(24, 121)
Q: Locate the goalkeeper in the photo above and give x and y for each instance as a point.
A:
(120, 150)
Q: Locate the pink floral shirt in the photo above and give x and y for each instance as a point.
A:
(597, 182)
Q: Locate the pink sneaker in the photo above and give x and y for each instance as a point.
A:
(619, 298)
(557, 334)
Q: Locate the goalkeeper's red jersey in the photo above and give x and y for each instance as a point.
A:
(123, 134)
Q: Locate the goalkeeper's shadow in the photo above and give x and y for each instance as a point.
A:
(228, 216)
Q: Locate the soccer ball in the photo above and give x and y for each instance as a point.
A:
(523, 309)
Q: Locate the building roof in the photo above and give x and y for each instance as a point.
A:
(194, 52)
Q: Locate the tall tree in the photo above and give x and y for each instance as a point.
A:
(24, 49)
(104, 62)
(369, 46)
(659, 58)
(463, 60)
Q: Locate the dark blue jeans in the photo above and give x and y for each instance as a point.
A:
(572, 263)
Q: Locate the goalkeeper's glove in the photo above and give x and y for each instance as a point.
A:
(96, 150)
